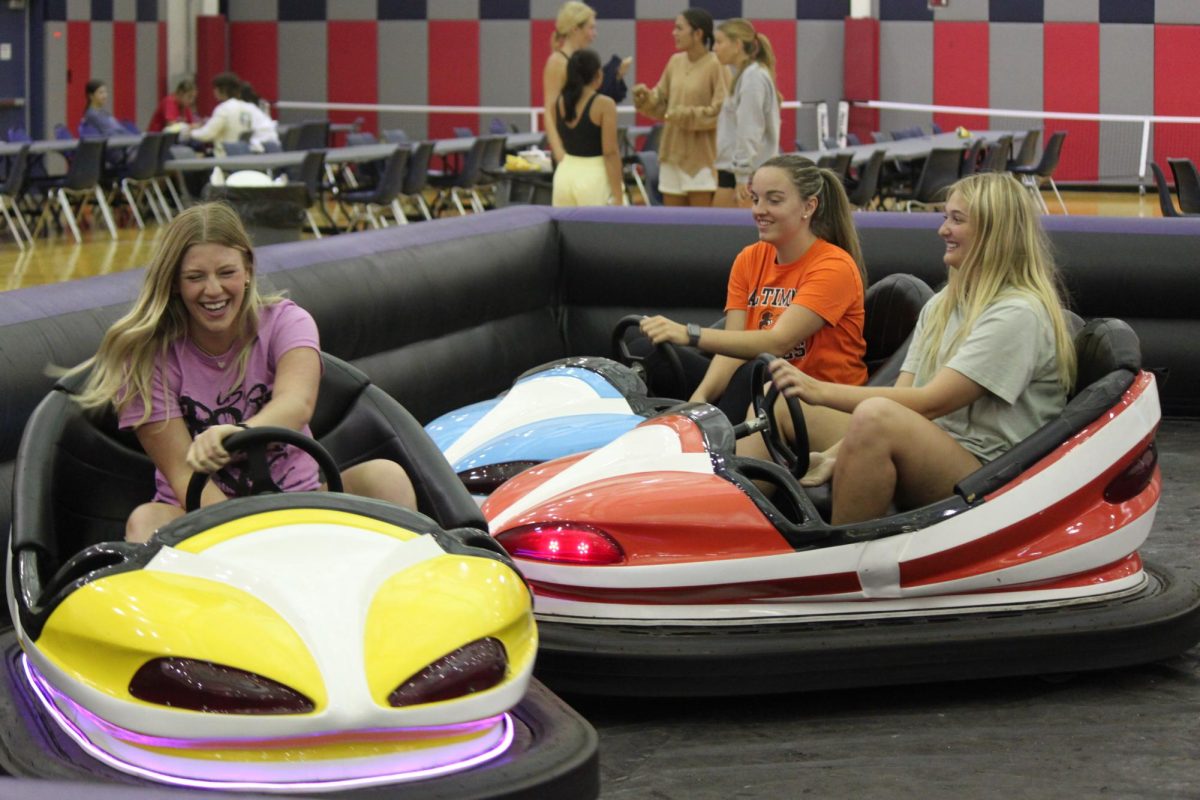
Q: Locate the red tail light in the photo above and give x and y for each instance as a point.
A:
(215, 688)
(1134, 478)
(477, 666)
(563, 543)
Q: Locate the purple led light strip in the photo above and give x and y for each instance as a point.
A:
(45, 693)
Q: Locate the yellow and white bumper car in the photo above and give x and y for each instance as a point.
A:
(278, 642)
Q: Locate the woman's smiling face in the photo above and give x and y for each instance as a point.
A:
(779, 212)
(956, 231)
(212, 286)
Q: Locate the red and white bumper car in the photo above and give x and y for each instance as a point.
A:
(660, 567)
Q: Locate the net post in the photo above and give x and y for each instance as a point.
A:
(1145, 151)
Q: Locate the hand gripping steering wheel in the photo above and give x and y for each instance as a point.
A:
(253, 442)
(667, 351)
(793, 459)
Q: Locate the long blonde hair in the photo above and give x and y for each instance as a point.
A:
(1008, 255)
(123, 367)
(755, 45)
(833, 219)
(572, 15)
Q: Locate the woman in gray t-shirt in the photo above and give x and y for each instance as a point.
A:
(991, 361)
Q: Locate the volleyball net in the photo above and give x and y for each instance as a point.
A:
(1099, 148)
(812, 128)
(1104, 149)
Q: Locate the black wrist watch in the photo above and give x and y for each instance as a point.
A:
(693, 332)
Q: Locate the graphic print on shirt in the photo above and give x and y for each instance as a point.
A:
(777, 299)
(233, 407)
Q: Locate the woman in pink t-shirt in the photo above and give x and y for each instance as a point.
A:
(201, 355)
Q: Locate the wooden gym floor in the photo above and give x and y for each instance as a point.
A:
(58, 258)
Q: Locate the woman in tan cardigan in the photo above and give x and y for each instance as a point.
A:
(688, 99)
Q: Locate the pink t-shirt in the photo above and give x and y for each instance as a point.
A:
(198, 389)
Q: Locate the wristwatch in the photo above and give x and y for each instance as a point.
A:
(693, 332)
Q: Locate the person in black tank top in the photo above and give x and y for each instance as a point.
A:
(589, 173)
(583, 138)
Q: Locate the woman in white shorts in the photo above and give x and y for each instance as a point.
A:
(688, 99)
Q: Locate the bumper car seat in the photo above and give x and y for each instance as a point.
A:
(79, 476)
(1108, 357)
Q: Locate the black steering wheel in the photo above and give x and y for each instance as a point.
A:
(253, 442)
(622, 353)
(793, 459)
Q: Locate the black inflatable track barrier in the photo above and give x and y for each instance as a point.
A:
(1159, 621)
(554, 754)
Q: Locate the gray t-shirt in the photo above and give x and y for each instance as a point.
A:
(1011, 353)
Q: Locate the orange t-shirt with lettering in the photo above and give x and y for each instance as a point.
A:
(826, 281)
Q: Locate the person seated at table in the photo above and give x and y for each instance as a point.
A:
(265, 129)
(589, 174)
(991, 361)
(799, 293)
(177, 110)
(231, 121)
(98, 120)
(201, 355)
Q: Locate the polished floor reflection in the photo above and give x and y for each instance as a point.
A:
(57, 258)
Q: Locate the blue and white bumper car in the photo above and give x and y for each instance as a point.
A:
(574, 405)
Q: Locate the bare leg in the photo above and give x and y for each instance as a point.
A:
(890, 451)
(382, 480)
(674, 200)
(826, 427)
(725, 198)
(700, 199)
(148, 518)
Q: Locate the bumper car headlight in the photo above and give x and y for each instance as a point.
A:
(472, 668)
(215, 688)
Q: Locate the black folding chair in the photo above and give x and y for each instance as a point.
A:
(82, 181)
(11, 194)
(1187, 184)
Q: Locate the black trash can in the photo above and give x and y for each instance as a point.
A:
(271, 214)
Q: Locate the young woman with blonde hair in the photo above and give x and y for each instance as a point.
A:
(992, 360)
(574, 29)
(797, 293)
(203, 354)
(748, 126)
(687, 98)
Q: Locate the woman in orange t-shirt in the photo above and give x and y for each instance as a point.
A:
(797, 293)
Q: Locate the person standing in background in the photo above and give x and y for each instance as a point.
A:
(688, 99)
(574, 29)
(590, 171)
(748, 127)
